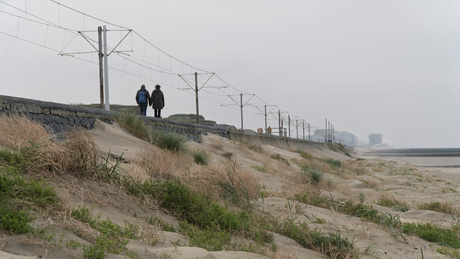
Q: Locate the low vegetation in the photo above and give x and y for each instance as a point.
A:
(201, 157)
(217, 206)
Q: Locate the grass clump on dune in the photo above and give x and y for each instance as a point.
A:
(280, 158)
(210, 225)
(331, 244)
(333, 162)
(391, 202)
(438, 206)
(134, 124)
(165, 140)
(169, 141)
(312, 176)
(200, 157)
(448, 237)
(112, 238)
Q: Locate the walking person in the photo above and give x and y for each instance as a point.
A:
(158, 101)
(143, 100)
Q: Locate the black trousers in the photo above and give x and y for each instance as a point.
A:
(157, 113)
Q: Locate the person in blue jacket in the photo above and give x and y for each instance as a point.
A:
(143, 100)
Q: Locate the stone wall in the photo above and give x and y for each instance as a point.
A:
(61, 117)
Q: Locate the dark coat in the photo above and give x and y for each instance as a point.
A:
(158, 100)
(147, 95)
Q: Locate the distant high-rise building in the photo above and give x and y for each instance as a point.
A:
(375, 139)
(343, 137)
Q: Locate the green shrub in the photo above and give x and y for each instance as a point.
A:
(313, 175)
(361, 210)
(17, 159)
(14, 221)
(196, 208)
(333, 162)
(211, 238)
(84, 215)
(201, 158)
(169, 141)
(18, 196)
(433, 233)
(163, 225)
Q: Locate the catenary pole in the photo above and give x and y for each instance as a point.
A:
(303, 127)
(106, 71)
(196, 98)
(101, 73)
(297, 128)
(241, 106)
(279, 123)
(265, 118)
(289, 125)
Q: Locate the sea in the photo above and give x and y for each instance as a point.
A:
(426, 157)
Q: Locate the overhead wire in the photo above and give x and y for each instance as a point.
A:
(140, 62)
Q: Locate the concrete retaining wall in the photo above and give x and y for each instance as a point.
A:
(273, 140)
(61, 117)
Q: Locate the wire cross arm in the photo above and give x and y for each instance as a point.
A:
(129, 31)
(123, 52)
(75, 53)
(232, 97)
(191, 84)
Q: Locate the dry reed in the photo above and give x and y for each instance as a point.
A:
(225, 182)
(217, 144)
(18, 132)
(77, 154)
(162, 164)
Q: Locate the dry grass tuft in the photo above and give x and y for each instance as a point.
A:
(161, 164)
(217, 144)
(18, 132)
(77, 154)
(318, 165)
(226, 182)
(356, 167)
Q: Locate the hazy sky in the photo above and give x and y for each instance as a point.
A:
(380, 66)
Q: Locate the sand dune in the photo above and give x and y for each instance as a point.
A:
(376, 178)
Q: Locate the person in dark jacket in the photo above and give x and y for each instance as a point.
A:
(143, 100)
(158, 101)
